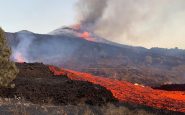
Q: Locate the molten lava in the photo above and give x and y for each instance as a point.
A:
(19, 58)
(86, 36)
(82, 33)
(127, 92)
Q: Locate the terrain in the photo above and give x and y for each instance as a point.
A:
(128, 92)
(65, 48)
(37, 84)
(172, 87)
(82, 68)
(44, 89)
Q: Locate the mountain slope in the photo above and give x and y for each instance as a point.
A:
(150, 67)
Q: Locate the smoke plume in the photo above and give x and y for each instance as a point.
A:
(91, 12)
(147, 23)
(29, 47)
(21, 52)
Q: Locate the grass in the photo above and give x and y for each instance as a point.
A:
(18, 106)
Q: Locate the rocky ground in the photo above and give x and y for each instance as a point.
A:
(35, 83)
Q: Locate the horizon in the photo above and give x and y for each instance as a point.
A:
(42, 17)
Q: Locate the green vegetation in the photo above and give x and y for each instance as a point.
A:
(8, 70)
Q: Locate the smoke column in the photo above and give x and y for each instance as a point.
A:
(90, 12)
(29, 47)
(21, 51)
(147, 23)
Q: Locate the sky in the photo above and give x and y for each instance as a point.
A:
(153, 23)
(40, 16)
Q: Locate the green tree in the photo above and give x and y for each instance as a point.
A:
(8, 70)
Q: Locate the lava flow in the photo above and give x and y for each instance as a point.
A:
(128, 92)
(86, 35)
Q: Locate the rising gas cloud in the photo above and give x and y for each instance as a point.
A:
(147, 23)
(29, 47)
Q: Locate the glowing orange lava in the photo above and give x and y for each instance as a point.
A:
(82, 34)
(86, 36)
(128, 92)
(19, 58)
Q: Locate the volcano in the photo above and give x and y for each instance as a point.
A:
(97, 71)
(78, 32)
(65, 47)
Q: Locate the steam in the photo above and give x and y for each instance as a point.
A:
(29, 47)
(147, 23)
(20, 53)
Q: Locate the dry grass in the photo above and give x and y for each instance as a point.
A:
(18, 106)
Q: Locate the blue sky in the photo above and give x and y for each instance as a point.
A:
(163, 26)
(40, 16)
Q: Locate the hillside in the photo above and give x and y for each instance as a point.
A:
(151, 67)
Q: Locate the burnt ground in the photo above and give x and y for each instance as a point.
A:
(37, 84)
(172, 87)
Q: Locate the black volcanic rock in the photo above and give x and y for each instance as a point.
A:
(172, 87)
(37, 84)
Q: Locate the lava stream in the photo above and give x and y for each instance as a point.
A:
(128, 92)
(86, 35)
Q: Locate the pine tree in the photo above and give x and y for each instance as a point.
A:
(8, 70)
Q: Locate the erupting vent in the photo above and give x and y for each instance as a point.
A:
(82, 33)
(19, 58)
(86, 36)
(127, 92)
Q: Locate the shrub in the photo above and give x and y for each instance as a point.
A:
(8, 70)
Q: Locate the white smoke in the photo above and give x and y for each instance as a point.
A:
(147, 23)
(23, 47)
(48, 49)
(91, 11)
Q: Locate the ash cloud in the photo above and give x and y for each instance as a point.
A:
(90, 12)
(147, 23)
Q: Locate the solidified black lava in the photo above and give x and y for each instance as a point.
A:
(172, 87)
(37, 84)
